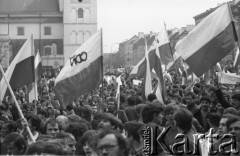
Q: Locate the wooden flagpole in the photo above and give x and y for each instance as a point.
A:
(234, 32)
(101, 108)
(16, 103)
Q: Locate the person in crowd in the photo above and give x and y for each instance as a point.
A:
(70, 112)
(110, 122)
(219, 109)
(138, 109)
(233, 127)
(51, 112)
(42, 114)
(34, 123)
(68, 141)
(111, 143)
(205, 106)
(53, 147)
(153, 114)
(133, 138)
(8, 128)
(94, 109)
(223, 130)
(14, 144)
(88, 142)
(183, 119)
(77, 129)
(52, 126)
(213, 120)
(230, 110)
(87, 113)
(63, 121)
(130, 110)
(151, 97)
(112, 107)
(235, 101)
(6, 115)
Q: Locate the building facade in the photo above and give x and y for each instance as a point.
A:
(59, 27)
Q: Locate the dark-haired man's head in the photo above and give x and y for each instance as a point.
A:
(151, 97)
(77, 129)
(111, 143)
(152, 113)
(69, 109)
(112, 105)
(235, 101)
(34, 123)
(14, 144)
(213, 119)
(233, 127)
(53, 147)
(109, 122)
(88, 142)
(8, 128)
(131, 101)
(183, 119)
(169, 112)
(42, 114)
(52, 126)
(205, 104)
(223, 124)
(68, 141)
(131, 128)
(189, 97)
(138, 100)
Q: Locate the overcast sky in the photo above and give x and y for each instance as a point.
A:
(122, 19)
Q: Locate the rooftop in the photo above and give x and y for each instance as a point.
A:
(28, 6)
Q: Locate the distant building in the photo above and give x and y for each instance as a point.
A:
(59, 27)
(133, 50)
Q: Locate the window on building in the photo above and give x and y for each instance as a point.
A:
(47, 31)
(47, 50)
(20, 31)
(80, 13)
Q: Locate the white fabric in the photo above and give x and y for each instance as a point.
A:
(148, 79)
(26, 51)
(33, 94)
(205, 31)
(93, 49)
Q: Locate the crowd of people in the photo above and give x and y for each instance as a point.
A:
(96, 124)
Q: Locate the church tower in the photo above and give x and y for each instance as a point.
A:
(79, 23)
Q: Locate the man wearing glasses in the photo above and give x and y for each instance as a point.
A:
(111, 143)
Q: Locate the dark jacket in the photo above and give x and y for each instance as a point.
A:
(225, 104)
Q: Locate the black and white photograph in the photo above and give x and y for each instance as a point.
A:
(120, 77)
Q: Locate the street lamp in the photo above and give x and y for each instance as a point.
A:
(111, 54)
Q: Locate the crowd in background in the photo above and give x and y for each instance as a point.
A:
(94, 125)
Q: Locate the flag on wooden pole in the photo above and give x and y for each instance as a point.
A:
(83, 72)
(33, 91)
(147, 76)
(211, 40)
(21, 70)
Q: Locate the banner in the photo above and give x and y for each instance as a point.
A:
(228, 78)
(137, 82)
